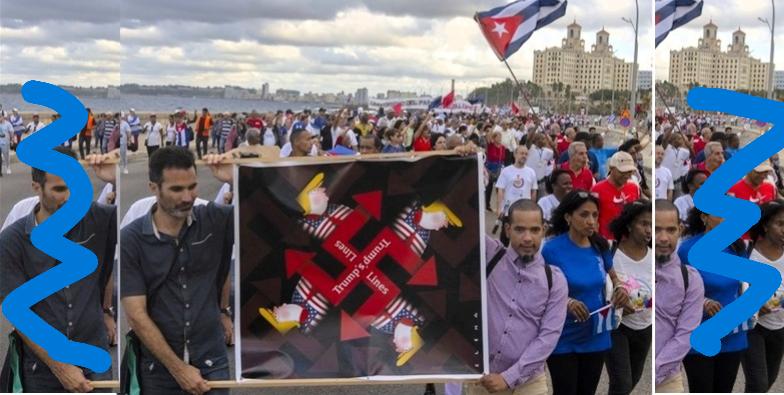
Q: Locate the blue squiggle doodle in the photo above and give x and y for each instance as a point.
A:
(76, 262)
(739, 215)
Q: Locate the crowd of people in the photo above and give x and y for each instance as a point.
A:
(576, 230)
(688, 150)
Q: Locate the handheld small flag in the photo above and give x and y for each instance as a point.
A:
(605, 319)
(746, 326)
(507, 27)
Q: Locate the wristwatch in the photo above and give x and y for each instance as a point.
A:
(109, 311)
(226, 311)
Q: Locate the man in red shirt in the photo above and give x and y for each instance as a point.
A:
(577, 166)
(616, 191)
(564, 140)
(254, 121)
(714, 157)
(754, 187)
(699, 140)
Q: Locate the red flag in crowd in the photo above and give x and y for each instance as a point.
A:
(397, 108)
(447, 101)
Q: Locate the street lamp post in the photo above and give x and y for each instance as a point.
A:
(635, 26)
(772, 28)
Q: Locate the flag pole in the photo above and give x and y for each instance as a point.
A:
(520, 86)
(667, 108)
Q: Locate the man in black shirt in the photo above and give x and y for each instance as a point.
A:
(174, 269)
(81, 311)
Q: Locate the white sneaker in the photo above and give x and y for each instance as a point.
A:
(8, 171)
(125, 171)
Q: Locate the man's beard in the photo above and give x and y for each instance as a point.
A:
(526, 258)
(662, 258)
(178, 211)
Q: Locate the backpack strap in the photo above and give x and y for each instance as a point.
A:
(685, 274)
(548, 271)
(494, 261)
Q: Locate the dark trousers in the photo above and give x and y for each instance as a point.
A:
(762, 359)
(489, 192)
(576, 374)
(37, 377)
(151, 150)
(202, 142)
(712, 374)
(155, 379)
(84, 146)
(626, 359)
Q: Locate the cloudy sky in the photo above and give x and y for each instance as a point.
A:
(310, 45)
(728, 15)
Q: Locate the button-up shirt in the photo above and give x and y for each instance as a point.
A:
(182, 278)
(76, 311)
(525, 318)
(678, 313)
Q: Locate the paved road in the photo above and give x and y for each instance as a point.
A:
(134, 186)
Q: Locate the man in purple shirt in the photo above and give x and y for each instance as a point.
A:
(526, 307)
(679, 298)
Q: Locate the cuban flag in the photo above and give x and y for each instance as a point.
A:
(746, 326)
(672, 14)
(506, 28)
(605, 319)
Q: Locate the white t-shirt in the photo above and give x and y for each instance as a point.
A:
(171, 134)
(540, 160)
(664, 182)
(349, 138)
(103, 198)
(517, 184)
(142, 206)
(548, 205)
(269, 137)
(32, 127)
(20, 209)
(684, 204)
(153, 134)
(774, 320)
(636, 276)
(286, 150)
(677, 160)
(220, 197)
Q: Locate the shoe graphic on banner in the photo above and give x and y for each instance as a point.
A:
(416, 345)
(282, 326)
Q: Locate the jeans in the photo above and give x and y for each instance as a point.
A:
(712, 374)
(222, 144)
(155, 378)
(762, 359)
(626, 359)
(37, 377)
(202, 142)
(5, 156)
(123, 155)
(576, 374)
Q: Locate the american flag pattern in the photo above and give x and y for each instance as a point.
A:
(396, 312)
